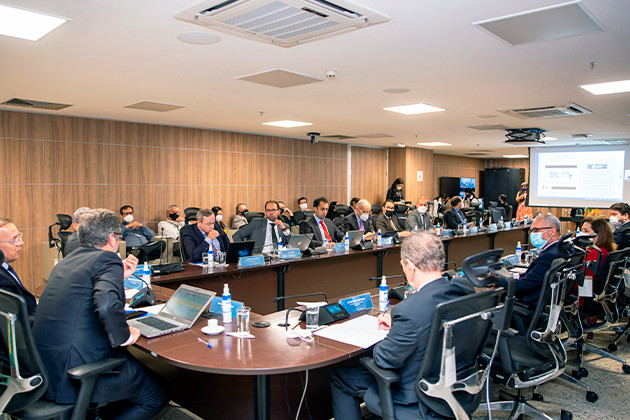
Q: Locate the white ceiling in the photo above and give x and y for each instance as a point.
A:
(118, 52)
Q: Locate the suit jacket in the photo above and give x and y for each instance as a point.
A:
(239, 220)
(383, 224)
(81, 319)
(403, 348)
(7, 282)
(350, 222)
(621, 236)
(423, 221)
(529, 284)
(194, 241)
(310, 226)
(256, 231)
(451, 219)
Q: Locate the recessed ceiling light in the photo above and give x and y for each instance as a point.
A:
(199, 38)
(434, 144)
(27, 24)
(608, 87)
(396, 90)
(413, 109)
(515, 156)
(287, 123)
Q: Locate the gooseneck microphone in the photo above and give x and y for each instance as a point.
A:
(144, 297)
(277, 298)
(397, 276)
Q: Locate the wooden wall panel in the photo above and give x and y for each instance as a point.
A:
(456, 166)
(369, 169)
(418, 160)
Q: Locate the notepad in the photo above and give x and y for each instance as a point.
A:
(361, 332)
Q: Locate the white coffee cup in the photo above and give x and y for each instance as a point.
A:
(213, 324)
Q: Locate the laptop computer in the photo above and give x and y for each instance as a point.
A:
(238, 249)
(299, 241)
(355, 236)
(180, 312)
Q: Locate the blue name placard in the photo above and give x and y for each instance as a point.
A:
(508, 225)
(289, 254)
(217, 308)
(446, 232)
(251, 261)
(492, 227)
(133, 282)
(474, 230)
(338, 247)
(388, 241)
(357, 303)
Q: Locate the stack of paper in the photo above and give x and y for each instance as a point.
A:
(361, 332)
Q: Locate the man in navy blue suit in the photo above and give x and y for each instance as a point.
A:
(11, 246)
(199, 237)
(543, 235)
(422, 259)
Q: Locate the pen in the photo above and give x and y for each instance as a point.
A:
(204, 342)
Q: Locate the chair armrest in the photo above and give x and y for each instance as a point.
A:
(96, 368)
(384, 379)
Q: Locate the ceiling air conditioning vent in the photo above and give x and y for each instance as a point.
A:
(281, 22)
(568, 110)
(29, 103)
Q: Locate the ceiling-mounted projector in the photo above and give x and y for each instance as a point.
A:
(522, 136)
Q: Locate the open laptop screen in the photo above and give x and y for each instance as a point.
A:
(186, 304)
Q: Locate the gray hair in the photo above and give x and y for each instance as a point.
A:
(95, 227)
(76, 216)
(203, 213)
(552, 220)
(424, 250)
(363, 203)
(4, 221)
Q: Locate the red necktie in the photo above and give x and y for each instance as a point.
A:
(321, 222)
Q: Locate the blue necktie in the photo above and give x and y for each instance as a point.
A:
(12, 271)
(460, 217)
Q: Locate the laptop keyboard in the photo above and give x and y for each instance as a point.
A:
(157, 323)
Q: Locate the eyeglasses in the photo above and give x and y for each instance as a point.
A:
(125, 213)
(118, 234)
(540, 229)
(15, 241)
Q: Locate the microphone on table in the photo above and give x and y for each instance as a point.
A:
(397, 292)
(144, 297)
(327, 314)
(277, 298)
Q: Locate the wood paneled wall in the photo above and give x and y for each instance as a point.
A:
(369, 166)
(456, 166)
(405, 163)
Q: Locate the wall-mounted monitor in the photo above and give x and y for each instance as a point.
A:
(466, 183)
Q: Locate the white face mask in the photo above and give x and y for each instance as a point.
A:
(364, 217)
(613, 220)
(303, 206)
(128, 218)
(399, 188)
(219, 217)
(422, 209)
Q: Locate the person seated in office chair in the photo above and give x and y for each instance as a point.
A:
(620, 219)
(81, 319)
(239, 219)
(604, 241)
(173, 224)
(439, 204)
(353, 203)
(266, 232)
(422, 260)
(11, 245)
(72, 242)
(206, 233)
(419, 218)
(503, 203)
(543, 235)
(322, 228)
(387, 222)
(455, 217)
(286, 215)
(299, 215)
(359, 219)
(218, 218)
(139, 237)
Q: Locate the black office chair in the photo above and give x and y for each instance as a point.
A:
(190, 214)
(251, 215)
(338, 221)
(23, 378)
(342, 210)
(401, 209)
(510, 213)
(376, 209)
(64, 221)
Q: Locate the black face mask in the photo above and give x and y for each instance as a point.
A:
(243, 212)
(173, 216)
(389, 213)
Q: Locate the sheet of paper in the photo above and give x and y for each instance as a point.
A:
(361, 332)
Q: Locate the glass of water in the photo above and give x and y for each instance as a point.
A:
(220, 259)
(205, 259)
(242, 316)
(312, 318)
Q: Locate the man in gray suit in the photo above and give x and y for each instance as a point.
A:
(422, 259)
(419, 218)
(265, 232)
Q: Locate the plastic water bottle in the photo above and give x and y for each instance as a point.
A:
(210, 257)
(438, 229)
(379, 238)
(146, 274)
(415, 229)
(501, 223)
(226, 304)
(346, 241)
(382, 295)
(465, 228)
(519, 250)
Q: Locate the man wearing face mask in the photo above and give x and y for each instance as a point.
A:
(299, 215)
(173, 223)
(455, 216)
(419, 218)
(620, 219)
(387, 222)
(239, 219)
(360, 219)
(543, 235)
(138, 237)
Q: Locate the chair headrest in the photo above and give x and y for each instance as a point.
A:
(65, 221)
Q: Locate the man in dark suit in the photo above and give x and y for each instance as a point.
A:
(620, 219)
(454, 216)
(11, 244)
(419, 218)
(199, 237)
(323, 229)
(265, 232)
(422, 259)
(387, 222)
(544, 235)
(359, 219)
(81, 319)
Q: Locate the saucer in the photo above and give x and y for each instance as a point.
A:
(216, 331)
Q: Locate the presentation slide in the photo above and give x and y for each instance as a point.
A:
(594, 177)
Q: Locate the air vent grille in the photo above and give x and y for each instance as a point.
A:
(32, 104)
(568, 110)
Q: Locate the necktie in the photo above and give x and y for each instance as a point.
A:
(391, 222)
(361, 227)
(12, 271)
(274, 237)
(321, 222)
(461, 218)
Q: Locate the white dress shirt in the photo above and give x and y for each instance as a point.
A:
(169, 228)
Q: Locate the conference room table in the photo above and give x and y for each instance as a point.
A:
(335, 273)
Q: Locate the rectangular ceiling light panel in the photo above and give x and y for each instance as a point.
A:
(281, 22)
